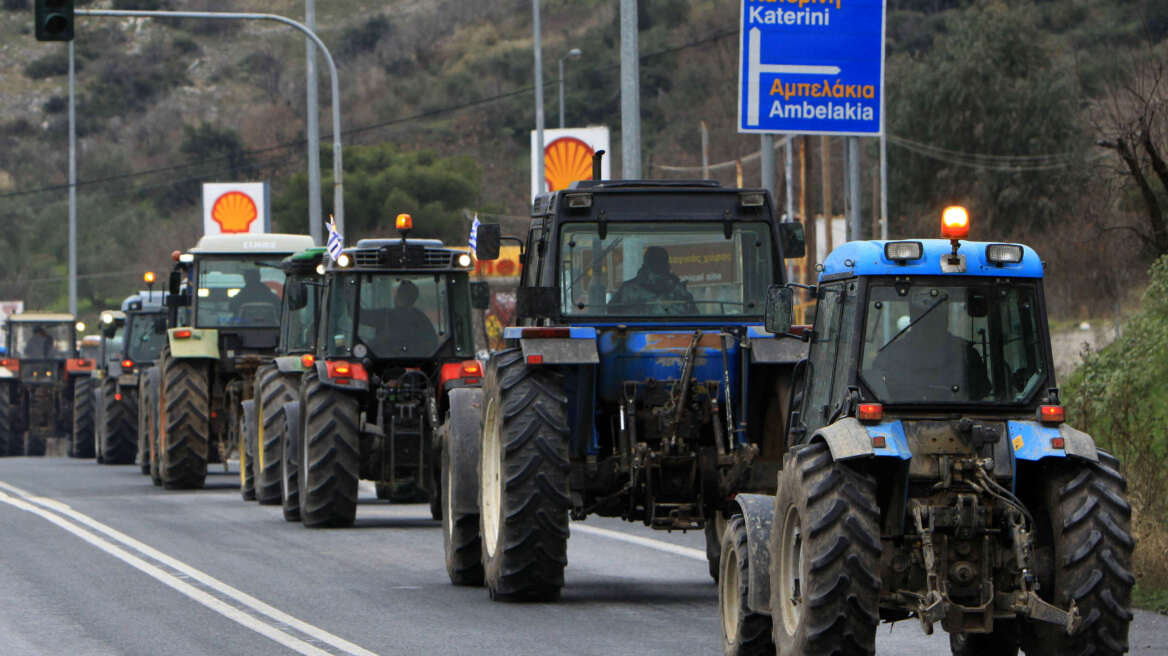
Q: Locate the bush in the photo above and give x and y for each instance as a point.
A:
(51, 66)
(56, 105)
(14, 5)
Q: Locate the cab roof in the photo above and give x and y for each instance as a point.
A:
(248, 244)
(866, 258)
(40, 317)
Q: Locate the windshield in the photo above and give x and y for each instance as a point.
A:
(147, 335)
(299, 326)
(655, 269)
(40, 341)
(236, 292)
(90, 351)
(394, 315)
(942, 343)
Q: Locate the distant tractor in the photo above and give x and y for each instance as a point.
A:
(207, 370)
(929, 473)
(145, 337)
(272, 472)
(396, 342)
(109, 418)
(638, 384)
(81, 445)
(36, 381)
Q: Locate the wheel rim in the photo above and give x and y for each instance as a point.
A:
(729, 585)
(791, 571)
(491, 487)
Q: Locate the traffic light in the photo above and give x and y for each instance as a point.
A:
(54, 20)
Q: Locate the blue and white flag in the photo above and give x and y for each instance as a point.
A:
(335, 243)
(473, 240)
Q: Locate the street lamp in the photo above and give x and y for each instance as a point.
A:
(574, 53)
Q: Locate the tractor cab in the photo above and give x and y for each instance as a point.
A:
(145, 332)
(41, 346)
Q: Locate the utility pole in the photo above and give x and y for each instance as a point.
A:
(72, 185)
(574, 53)
(789, 162)
(705, 151)
(630, 92)
(541, 181)
(766, 144)
(312, 130)
(855, 196)
(825, 162)
(883, 182)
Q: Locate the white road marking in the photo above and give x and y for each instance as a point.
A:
(660, 545)
(61, 515)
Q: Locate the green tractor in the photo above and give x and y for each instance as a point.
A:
(395, 343)
(145, 336)
(265, 466)
(208, 367)
(37, 380)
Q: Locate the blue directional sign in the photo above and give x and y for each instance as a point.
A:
(811, 67)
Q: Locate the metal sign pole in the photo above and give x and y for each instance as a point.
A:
(72, 186)
(630, 78)
(312, 130)
(338, 166)
(540, 166)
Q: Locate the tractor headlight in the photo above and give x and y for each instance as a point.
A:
(903, 251)
(344, 261)
(1004, 253)
(464, 260)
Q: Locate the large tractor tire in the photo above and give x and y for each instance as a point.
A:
(246, 435)
(744, 632)
(523, 474)
(118, 437)
(81, 445)
(185, 423)
(273, 391)
(155, 436)
(1083, 517)
(290, 462)
(825, 556)
(147, 401)
(7, 436)
(329, 455)
(459, 488)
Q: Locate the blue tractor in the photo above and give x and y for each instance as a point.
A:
(929, 472)
(639, 382)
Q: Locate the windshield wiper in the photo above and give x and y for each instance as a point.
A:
(944, 297)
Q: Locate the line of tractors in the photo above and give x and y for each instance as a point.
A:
(905, 456)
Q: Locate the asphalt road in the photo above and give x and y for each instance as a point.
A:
(95, 560)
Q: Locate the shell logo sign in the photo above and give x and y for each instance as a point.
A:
(235, 208)
(567, 156)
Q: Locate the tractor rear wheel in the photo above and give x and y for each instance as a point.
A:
(744, 632)
(185, 424)
(7, 438)
(145, 402)
(289, 462)
(273, 390)
(825, 556)
(81, 446)
(246, 438)
(523, 475)
(1084, 520)
(329, 455)
(118, 440)
(459, 488)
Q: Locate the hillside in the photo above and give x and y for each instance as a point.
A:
(164, 106)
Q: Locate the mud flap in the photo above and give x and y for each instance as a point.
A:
(758, 510)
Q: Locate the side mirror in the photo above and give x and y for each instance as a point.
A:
(480, 295)
(108, 330)
(297, 295)
(780, 307)
(792, 239)
(175, 282)
(487, 239)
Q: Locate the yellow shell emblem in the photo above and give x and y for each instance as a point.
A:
(234, 211)
(565, 161)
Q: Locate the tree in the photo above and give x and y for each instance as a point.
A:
(382, 181)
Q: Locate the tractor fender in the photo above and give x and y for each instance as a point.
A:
(5, 373)
(462, 446)
(560, 350)
(758, 512)
(202, 343)
(1031, 441)
(848, 439)
(290, 364)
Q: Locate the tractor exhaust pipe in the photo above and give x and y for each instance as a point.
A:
(597, 158)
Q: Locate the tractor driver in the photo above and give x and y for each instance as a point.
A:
(40, 345)
(654, 290)
(410, 330)
(249, 304)
(924, 361)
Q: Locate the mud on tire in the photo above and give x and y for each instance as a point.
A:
(329, 455)
(825, 556)
(523, 474)
(184, 424)
(744, 633)
(81, 442)
(1083, 515)
(273, 390)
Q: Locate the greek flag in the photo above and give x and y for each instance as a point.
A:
(473, 240)
(335, 244)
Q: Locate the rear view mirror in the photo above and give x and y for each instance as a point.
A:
(487, 239)
(780, 307)
(792, 240)
(297, 295)
(480, 295)
(175, 282)
(108, 330)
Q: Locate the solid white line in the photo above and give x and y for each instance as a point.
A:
(228, 611)
(196, 574)
(660, 545)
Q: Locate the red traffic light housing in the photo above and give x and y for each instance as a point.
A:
(54, 20)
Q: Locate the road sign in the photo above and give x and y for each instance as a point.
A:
(235, 207)
(811, 67)
(568, 156)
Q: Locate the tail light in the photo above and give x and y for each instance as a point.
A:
(307, 360)
(117, 396)
(342, 371)
(12, 364)
(182, 334)
(127, 364)
(1051, 414)
(547, 333)
(471, 372)
(870, 412)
